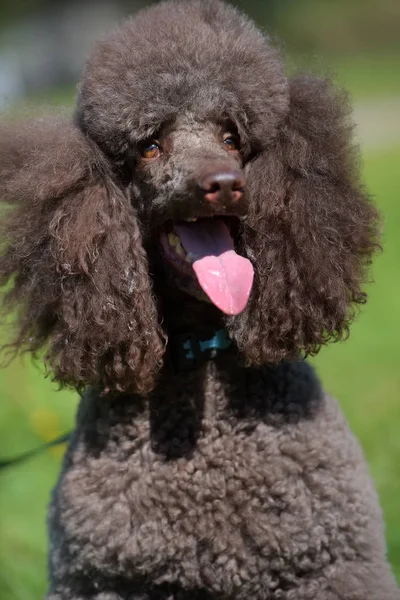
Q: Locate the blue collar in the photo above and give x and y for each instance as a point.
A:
(190, 351)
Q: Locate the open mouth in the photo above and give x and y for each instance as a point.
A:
(203, 250)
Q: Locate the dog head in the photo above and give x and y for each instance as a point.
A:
(191, 155)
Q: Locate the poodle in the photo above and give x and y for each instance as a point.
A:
(177, 249)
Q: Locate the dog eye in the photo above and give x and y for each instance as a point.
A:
(150, 150)
(231, 142)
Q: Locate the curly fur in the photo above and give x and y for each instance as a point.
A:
(65, 247)
(227, 483)
(240, 479)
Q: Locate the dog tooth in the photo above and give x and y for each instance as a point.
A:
(173, 239)
(180, 251)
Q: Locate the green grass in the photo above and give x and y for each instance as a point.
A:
(51, 101)
(31, 412)
(368, 76)
(364, 372)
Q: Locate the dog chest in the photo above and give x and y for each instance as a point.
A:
(213, 495)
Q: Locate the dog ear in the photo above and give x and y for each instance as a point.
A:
(73, 262)
(311, 231)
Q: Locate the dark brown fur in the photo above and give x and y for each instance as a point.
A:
(80, 263)
(65, 244)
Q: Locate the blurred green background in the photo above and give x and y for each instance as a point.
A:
(42, 48)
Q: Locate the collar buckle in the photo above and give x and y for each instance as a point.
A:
(188, 351)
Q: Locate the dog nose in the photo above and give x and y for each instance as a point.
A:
(224, 184)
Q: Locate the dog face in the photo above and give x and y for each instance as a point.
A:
(191, 155)
(183, 137)
(190, 185)
(191, 169)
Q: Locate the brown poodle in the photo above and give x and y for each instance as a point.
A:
(177, 250)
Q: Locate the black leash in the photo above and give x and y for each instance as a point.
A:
(15, 460)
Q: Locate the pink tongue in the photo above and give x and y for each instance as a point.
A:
(223, 275)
